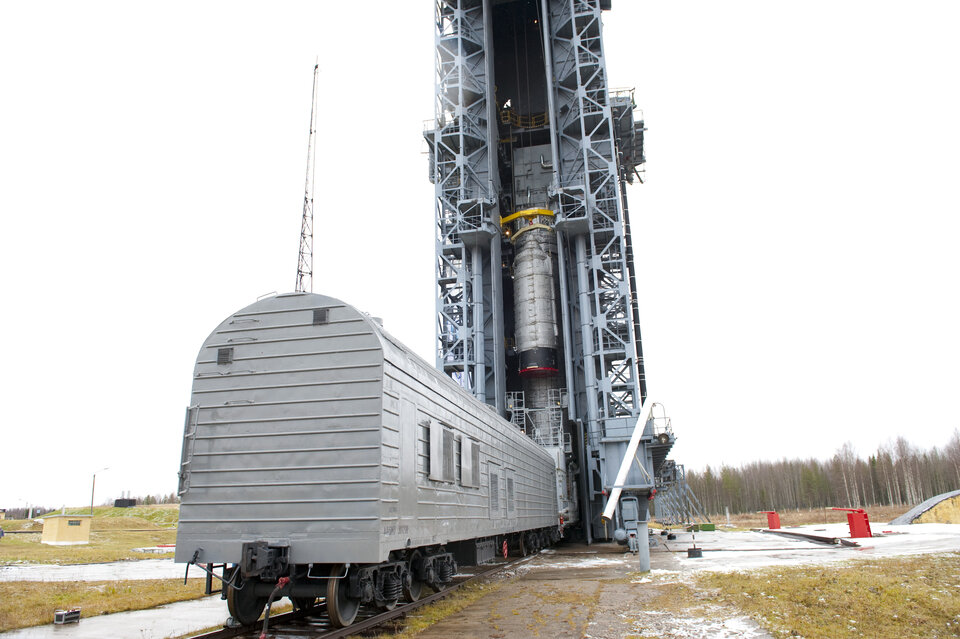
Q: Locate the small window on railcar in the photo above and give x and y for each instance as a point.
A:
(470, 463)
(449, 455)
(475, 463)
(458, 471)
(441, 453)
(423, 439)
(435, 452)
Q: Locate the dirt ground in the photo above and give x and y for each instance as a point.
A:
(576, 591)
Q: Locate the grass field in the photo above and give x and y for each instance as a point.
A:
(916, 596)
(31, 603)
(115, 532)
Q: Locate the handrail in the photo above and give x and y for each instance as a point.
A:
(532, 121)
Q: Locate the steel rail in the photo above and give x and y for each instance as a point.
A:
(254, 630)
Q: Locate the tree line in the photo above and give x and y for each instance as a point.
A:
(897, 474)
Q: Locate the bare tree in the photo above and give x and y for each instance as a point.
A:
(897, 474)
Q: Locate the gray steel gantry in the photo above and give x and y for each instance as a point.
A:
(537, 295)
(464, 170)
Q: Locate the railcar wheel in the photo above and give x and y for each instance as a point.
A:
(341, 607)
(244, 606)
(415, 587)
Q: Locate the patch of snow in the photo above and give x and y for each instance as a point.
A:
(581, 563)
(113, 571)
(155, 623)
(746, 550)
(735, 627)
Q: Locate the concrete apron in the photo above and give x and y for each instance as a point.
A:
(170, 620)
(112, 571)
(576, 591)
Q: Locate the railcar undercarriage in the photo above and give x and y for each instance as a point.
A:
(264, 574)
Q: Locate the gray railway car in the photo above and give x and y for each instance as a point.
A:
(322, 458)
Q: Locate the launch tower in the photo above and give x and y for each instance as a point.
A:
(537, 308)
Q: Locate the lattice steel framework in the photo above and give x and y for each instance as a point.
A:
(601, 326)
(305, 260)
(676, 503)
(595, 146)
(591, 216)
(463, 168)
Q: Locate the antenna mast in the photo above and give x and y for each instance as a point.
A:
(305, 263)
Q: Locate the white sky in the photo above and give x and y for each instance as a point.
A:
(797, 235)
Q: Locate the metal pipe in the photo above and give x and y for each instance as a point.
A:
(586, 332)
(551, 107)
(493, 187)
(590, 380)
(634, 299)
(565, 326)
(584, 496)
(479, 370)
(628, 457)
(492, 129)
(499, 356)
(93, 487)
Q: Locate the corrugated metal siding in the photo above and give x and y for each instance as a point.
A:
(449, 511)
(285, 441)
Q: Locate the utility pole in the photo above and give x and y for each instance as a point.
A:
(305, 263)
(93, 487)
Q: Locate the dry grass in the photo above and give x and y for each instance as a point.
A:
(115, 532)
(31, 603)
(574, 608)
(916, 596)
(109, 518)
(105, 545)
(124, 523)
(811, 516)
(433, 613)
(20, 524)
(164, 515)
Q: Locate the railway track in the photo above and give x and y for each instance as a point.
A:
(313, 623)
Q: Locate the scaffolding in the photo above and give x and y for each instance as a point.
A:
(675, 503)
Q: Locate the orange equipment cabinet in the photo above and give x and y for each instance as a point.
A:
(858, 521)
(773, 519)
